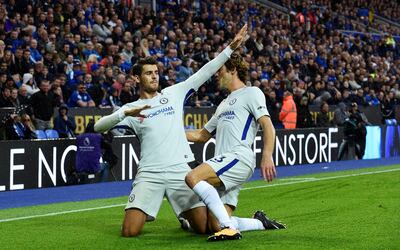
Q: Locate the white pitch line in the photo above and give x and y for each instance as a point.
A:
(249, 188)
(63, 212)
(323, 179)
(297, 179)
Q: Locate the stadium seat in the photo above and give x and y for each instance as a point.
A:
(52, 134)
(40, 134)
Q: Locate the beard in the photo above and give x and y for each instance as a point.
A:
(150, 87)
(223, 84)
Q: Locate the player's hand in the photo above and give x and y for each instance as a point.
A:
(136, 112)
(268, 170)
(240, 37)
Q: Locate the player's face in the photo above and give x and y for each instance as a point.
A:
(149, 78)
(224, 77)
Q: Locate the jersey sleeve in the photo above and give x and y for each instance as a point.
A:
(211, 125)
(127, 124)
(107, 122)
(186, 88)
(256, 103)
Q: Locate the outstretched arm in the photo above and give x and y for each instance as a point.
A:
(267, 166)
(198, 135)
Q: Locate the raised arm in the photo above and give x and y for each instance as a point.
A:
(196, 80)
(214, 65)
(198, 135)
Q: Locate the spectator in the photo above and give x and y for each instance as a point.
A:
(64, 124)
(89, 50)
(23, 96)
(14, 98)
(28, 127)
(127, 52)
(304, 118)
(354, 85)
(340, 115)
(94, 89)
(80, 97)
(100, 29)
(10, 83)
(20, 65)
(361, 131)
(359, 98)
(43, 104)
(335, 94)
(19, 128)
(349, 149)
(119, 83)
(184, 70)
(35, 55)
(371, 98)
(323, 119)
(5, 98)
(273, 107)
(144, 45)
(3, 78)
(112, 99)
(288, 114)
(127, 94)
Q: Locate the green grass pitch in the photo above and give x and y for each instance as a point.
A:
(357, 209)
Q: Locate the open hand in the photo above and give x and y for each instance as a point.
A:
(240, 37)
(268, 170)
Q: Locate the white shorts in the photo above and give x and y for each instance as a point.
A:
(230, 197)
(150, 187)
(233, 173)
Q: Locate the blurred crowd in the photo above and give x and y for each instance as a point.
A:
(353, 15)
(77, 53)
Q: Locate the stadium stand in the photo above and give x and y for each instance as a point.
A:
(333, 51)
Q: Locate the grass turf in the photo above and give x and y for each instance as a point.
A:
(331, 213)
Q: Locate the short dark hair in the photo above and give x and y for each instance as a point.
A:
(236, 62)
(43, 81)
(137, 69)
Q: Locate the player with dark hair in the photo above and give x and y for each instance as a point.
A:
(156, 118)
(235, 124)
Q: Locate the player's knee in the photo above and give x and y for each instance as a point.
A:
(191, 179)
(129, 231)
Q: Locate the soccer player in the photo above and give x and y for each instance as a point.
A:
(156, 118)
(235, 124)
